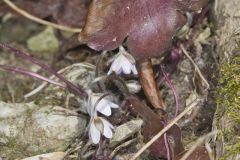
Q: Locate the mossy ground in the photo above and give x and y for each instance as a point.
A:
(228, 111)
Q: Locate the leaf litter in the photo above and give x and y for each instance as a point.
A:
(154, 120)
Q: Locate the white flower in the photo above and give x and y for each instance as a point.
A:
(99, 126)
(133, 86)
(123, 62)
(97, 102)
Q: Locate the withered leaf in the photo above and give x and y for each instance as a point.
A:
(149, 25)
(149, 85)
(153, 124)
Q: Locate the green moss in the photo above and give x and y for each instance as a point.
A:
(232, 150)
(29, 112)
(228, 110)
(12, 149)
(229, 90)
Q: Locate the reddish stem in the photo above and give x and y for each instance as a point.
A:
(170, 84)
(31, 74)
(73, 88)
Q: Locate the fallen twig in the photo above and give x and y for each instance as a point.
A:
(195, 66)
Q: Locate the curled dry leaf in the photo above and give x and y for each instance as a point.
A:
(150, 88)
(148, 25)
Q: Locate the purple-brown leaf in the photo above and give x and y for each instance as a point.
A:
(153, 124)
(148, 25)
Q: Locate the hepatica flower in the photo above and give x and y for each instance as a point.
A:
(133, 86)
(123, 62)
(98, 102)
(98, 126)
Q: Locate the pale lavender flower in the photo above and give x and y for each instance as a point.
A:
(98, 102)
(99, 126)
(123, 62)
(103, 105)
(133, 86)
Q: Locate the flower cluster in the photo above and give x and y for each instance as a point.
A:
(124, 63)
(98, 102)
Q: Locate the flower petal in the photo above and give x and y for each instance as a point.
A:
(123, 63)
(126, 66)
(116, 65)
(102, 106)
(94, 133)
(134, 70)
(106, 110)
(107, 128)
(113, 105)
(110, 71)
(133, 86)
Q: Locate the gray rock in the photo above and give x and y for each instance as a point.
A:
(125, 130)
(16, 29)
(45, 41)
(28, 130)
(50, 156)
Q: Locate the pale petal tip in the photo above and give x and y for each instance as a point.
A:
(94, 134)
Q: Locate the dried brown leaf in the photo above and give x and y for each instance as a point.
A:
(149, 85)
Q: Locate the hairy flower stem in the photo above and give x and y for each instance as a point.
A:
(31, 74)
(120, 84)
(99, 67)
(72, 88)
(149, 84)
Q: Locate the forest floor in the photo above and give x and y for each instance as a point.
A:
(187, 81)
